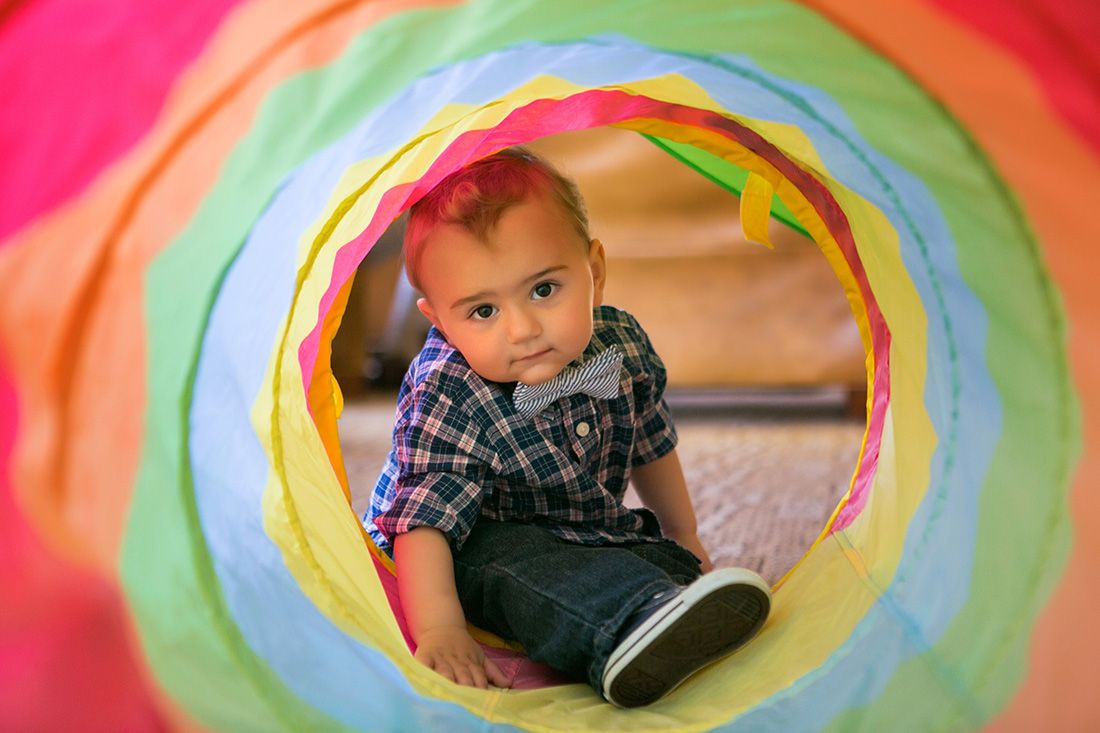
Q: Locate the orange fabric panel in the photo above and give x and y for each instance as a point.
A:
(323, 400)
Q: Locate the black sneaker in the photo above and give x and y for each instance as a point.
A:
(700, 624)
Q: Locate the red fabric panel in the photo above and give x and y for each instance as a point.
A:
(65, 657)
(1058, 40)
(82, 81)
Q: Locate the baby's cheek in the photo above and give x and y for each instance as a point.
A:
(582, 342)
(500, 366)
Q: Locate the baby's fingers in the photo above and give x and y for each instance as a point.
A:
(477, 676)
(463, 674)
(442, 667)
(496, 677)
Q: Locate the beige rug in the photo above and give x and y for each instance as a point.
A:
(763, 486)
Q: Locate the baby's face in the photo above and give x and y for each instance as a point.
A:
(518, 306)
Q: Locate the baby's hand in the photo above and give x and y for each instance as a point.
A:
(453, 653)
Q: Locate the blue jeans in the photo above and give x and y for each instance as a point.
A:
(565, 603)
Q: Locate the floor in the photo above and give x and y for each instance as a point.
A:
(764, 477)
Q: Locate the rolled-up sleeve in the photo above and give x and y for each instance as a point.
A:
(448, 502)
(441, 479)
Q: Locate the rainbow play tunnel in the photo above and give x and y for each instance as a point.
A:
(166, 336)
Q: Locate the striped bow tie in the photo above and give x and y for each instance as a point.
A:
(597, 377)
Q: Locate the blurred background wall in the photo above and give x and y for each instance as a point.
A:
(724, 313)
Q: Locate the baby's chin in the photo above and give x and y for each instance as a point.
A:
(536, 379)
(539, 371)
(542, 372)
(531, 376)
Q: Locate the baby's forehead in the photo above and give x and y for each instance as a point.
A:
(486, 232)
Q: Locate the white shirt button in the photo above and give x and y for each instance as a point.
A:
(583, 429)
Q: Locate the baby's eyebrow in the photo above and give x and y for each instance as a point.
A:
(479, 295)
(486, 294)
(542, 273)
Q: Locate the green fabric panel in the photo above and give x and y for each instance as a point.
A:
(189, 637)
(1023, 534)
(191, 641)
(725, 174)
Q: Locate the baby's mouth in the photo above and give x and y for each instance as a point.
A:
(531, 357)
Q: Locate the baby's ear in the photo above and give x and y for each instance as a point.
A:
(426, 308)
(598, 262)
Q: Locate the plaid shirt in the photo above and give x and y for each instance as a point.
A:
(461, 450)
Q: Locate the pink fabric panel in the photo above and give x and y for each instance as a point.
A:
(596, 108)
(591, 109)
(83, 80)
(525, 674)
(65, 654)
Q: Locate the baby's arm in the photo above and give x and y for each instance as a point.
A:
(660, 485)
(426, 583)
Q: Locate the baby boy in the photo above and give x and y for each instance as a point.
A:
(519, 424)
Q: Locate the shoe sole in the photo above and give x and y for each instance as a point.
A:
(713, 617)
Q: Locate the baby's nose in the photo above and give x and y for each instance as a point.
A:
(522, 325)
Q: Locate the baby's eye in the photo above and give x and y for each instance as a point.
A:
(483, 312)
(544, 290)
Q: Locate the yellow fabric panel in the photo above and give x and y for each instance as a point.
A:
(901, 483)
(756, 209)
(808, 218)
(322, 540)
(337, 400)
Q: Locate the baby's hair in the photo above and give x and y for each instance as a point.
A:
(475, 197)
